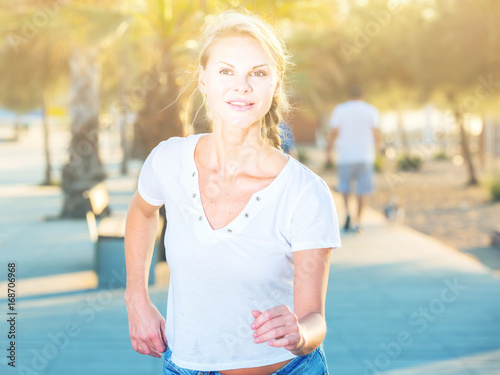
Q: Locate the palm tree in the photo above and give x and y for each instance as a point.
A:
(456, 58)
(28, 85)
(168, 27)
(98, 27)
(68, 42)
(171, 28)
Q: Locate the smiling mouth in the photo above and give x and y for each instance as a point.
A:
(240, 103)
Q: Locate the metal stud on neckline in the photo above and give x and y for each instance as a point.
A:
(258, 198)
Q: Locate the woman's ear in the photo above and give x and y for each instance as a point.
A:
(278, 84)
(277, 89)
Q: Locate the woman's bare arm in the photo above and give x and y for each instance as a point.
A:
(146, 324)
(302, 330)
(140, 235)
(311, 281)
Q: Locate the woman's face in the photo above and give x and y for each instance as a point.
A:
(239, 80)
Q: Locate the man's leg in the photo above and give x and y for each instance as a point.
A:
(361, 204)
(347, 224)
(364, 187)
(344, 187)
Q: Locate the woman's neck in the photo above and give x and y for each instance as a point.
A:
(231, 152)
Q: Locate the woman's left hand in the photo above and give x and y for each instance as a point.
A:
(279, 326)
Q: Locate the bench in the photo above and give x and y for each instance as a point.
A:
(495, 237)
(107, 232)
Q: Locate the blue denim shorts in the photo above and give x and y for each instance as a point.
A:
(313, 363)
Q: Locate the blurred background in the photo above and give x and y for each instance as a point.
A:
(88, 88)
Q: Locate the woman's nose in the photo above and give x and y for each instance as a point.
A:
(242, 85)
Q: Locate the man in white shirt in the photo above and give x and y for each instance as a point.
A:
(355, 132)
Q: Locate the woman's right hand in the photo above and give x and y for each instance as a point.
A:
(146, 326)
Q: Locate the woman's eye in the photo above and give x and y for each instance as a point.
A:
(225, 71)
(259, 73)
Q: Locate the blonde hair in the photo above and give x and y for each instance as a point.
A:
(244, 23)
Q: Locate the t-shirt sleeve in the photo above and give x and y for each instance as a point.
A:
(314, 219)
(149, 185)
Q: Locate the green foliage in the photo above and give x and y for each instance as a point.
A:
(495, 188)
(440, 155)
(409, 163)
(405, 51)
(379, 163)
(302, 155)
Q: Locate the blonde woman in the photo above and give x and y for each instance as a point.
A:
(250, 229)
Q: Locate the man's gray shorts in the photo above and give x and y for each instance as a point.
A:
(362, 173)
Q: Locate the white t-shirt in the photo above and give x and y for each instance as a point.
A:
(219, 276)
(355, 120)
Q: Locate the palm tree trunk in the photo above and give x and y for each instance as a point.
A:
(46, 144)
(405, 145)
(123, 114)
(84, 168)
(464, 141)
(159, 118)
(482, 143)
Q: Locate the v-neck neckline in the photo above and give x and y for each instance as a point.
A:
(254, 203)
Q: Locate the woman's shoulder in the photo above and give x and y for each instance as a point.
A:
(303, 182)
(173, 154)
(303, 176)
(176, 142)
(175, 146)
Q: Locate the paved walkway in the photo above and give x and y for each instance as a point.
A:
(399, 302)
(402, 303)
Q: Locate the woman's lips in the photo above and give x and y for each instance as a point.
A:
(240, 105)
